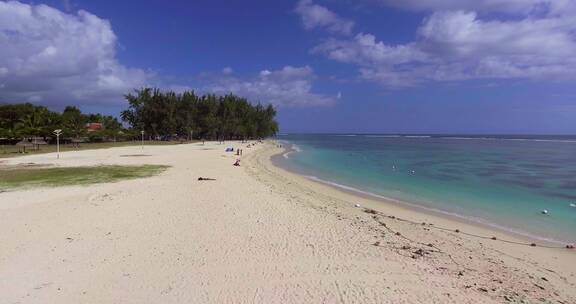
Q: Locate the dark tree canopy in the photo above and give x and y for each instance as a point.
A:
(27, 120)
(168, 114)
(164, 115)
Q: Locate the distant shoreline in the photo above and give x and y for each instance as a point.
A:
(570, 138)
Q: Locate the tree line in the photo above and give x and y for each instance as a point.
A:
(19, 121)
(160, 114)
(226, 117)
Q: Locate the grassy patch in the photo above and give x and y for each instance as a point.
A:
(18, 178)
(13, 151)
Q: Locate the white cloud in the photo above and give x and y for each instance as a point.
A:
(265, 73)
(510, 6)
(316, 16)
(54, 57)
(365, 50)
(287, 87)
(227, 71)
(460, 45)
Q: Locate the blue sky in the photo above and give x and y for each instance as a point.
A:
(377, 66)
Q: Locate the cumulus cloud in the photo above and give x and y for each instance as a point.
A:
(316, 16)
(460, 45)
(287, 87)
(363, 49)
(53, 57)
(510, 6)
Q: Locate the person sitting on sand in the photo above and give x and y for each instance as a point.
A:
(237, 163)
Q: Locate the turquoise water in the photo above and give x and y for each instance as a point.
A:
(501, 181)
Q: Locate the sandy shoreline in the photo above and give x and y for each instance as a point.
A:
(258, 234)
(514, 236)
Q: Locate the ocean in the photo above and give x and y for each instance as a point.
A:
(502, 181)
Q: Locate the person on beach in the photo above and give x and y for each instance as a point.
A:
(237, 163)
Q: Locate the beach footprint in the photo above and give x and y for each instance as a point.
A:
(100, 197)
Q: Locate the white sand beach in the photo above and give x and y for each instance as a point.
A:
(256, 234)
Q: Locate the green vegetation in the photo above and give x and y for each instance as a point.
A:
(18, 121)
(18, 178)
(165, 114)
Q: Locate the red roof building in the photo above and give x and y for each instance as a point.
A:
(94, 126)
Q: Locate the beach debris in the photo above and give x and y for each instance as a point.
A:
(357, 205)
(457, 230)
(420, 252)
(494, 238)
(370, 211)
(376, 244)
(533, 244)
(43, 285)
(135, 155)
(572, 205)
(206, 179)
(545, 211)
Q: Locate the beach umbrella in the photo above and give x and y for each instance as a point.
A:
(37, 141)
(24, 143)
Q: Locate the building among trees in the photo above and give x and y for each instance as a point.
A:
(161, 115)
